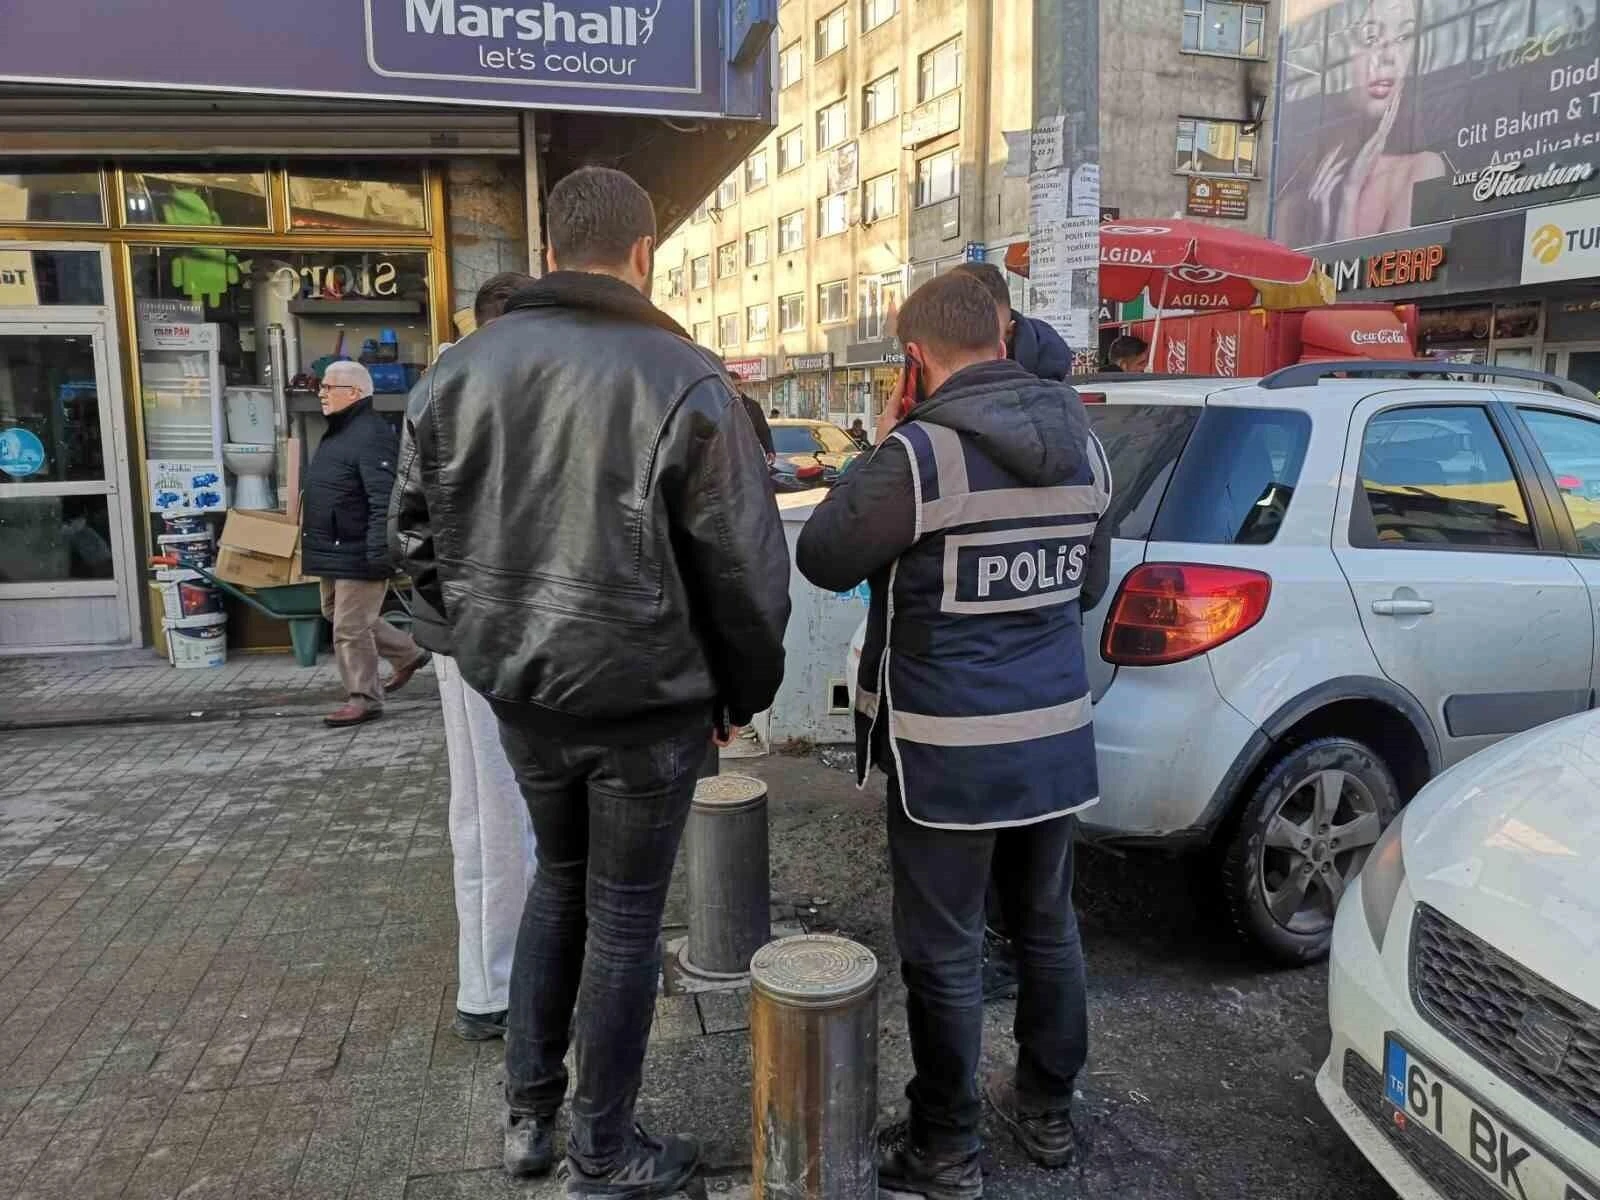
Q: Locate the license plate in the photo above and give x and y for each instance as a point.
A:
(1501, 1154)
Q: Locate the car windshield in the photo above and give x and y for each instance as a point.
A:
(811, 439)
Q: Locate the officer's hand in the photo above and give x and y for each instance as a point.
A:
(722, 739)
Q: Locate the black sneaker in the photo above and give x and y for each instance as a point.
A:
(999, 967)
(479, 1027)
(529, 1148)
(908, 1170)
(1046, 1136)
(651, 1167)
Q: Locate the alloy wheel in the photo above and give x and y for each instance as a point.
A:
(1315, 844)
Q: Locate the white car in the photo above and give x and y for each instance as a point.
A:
(1464, 988)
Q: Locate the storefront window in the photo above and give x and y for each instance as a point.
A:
(1516, 320)
(361, 197)
(1466, 324)
(52, 196)
(195, 196)
(51, 539)
(50, 408)
(33, 278)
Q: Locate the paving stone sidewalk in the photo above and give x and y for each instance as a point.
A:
(227, 970)
(119, 686)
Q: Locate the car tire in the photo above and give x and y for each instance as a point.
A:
(1300, 838)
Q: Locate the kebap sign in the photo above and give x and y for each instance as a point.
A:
(1400, 113)
(620, 55)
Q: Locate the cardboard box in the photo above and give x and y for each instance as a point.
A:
(259, 549)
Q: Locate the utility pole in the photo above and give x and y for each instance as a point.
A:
(1064, 170)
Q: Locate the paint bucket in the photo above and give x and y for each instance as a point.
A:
(189, 549)
(186, 594)
(178, 525)
(196, 642)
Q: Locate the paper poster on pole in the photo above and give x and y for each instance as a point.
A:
(1086, 190)
(1080, 239)
(1047, 142)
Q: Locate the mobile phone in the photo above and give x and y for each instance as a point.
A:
(910, 385)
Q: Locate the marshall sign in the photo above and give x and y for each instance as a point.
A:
(644, 56)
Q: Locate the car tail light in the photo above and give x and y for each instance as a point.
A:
(1167, 612)
(1092, 397)
(1569, 483)
(813, 471)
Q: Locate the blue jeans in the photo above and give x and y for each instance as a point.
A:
(940, 880)
(607, 821)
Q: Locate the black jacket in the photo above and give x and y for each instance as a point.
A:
(1035, 428)
(585, 511)
(1038, 349)
(346, 497)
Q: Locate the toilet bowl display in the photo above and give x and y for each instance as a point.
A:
(249, 455)
(251, 467)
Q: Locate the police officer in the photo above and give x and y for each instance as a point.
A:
(975, 522)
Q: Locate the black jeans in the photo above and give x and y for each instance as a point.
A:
(608, 820)
(940, 880)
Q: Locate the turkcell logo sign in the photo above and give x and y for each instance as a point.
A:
(639, 45)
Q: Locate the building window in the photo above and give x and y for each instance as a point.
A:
(700, 271)
(675, 281)
(1223, 27)
(1215, 148)
(880, 100)
(879, 197)
(832, 125)
(702, 212)
(755, 247)
(833, 215)
(757, 319)
(755, 172)
(364, 196)
(791, 150)
(702, 333)
(939, 71)
(832, 31)
(879, 300)
(790, 60)
(196, 194)
(727, 260)
(833, 302)
(792, 312)
(54, 196)
(791, 231)
(727, 331)
(876, 12)
(728, 193)
(938, 177)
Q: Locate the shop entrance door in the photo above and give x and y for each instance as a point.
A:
(67, 566)
(1579, 363)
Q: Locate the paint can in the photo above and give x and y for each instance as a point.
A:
(198, 642)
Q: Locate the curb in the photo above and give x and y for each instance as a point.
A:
(277, 707)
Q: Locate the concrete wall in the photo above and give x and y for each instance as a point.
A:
(487, 223)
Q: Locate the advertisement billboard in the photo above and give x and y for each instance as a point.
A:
(1398, 113)
(651, 56)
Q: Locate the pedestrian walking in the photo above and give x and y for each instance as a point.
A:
(491, 834)
(973, 521)
(1032, 344)
(586, 503)
(343, 541)
(1038, 349)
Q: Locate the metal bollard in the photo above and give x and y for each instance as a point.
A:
(730, 908)
(814, 1054)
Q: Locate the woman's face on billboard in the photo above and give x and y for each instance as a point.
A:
(1381, 44)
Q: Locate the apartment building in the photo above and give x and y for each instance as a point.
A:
(889, 163)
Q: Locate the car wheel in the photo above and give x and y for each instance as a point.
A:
(1301, 838)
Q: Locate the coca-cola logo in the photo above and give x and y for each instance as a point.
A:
(1177, 358)
(1377, 337)
(1227, 356)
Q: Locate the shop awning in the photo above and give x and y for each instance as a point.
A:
(1364, 333)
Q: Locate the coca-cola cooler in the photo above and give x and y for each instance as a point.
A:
(1249, 343)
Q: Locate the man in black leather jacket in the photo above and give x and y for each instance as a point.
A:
(584, 506)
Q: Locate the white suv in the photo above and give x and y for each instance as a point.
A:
(1324, 591)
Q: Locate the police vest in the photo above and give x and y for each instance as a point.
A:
(974, 655)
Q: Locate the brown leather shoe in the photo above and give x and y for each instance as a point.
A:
(403, 676)
(353, 713)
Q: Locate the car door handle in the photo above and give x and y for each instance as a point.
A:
(1402, 608)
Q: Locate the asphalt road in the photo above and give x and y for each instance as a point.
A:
(1200, 1076)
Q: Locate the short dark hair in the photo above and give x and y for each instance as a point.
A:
(952, 311)
(990, 276)
(595, 215)
(1127, 346)
(491, 299)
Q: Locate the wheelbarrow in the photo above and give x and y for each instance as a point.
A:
(300, 604)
